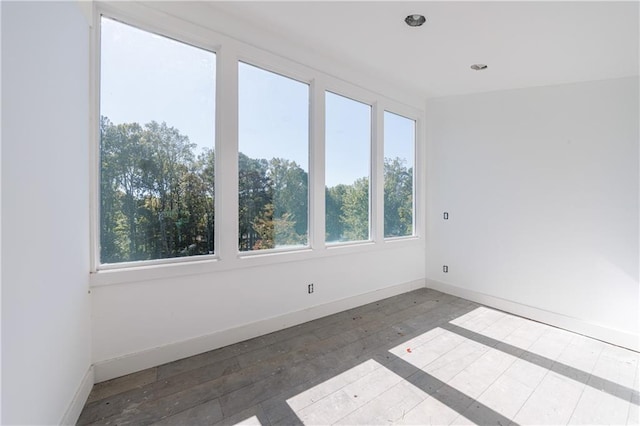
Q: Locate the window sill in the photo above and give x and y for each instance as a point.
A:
(241, 260)
(151, 271)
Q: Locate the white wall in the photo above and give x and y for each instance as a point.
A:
(151, 322)
(542, 189)
(46, 341)
(150, 315)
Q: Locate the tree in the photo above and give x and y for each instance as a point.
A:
(398, 198)
(255, 192)
(167, 160)
(156, 198)
(290, 201)
(206, 163)
(334, 225)
(120, 183)
(355, 210)
(112, 247)
(263, 226)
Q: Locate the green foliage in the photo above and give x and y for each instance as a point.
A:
(263, 225)
(273, 203)
(285, 231)
(347, 206)
(291, 200)
(254, 196)
(355, 211)
(398, 198)
(157, 198)
(333, 213)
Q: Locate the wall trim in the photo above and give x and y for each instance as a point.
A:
(120, 366)
(580, 326)
(72, 414)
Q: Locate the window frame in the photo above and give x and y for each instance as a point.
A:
(414, 182)
(372, 164)
(104, 11)
(196, 31)
(309, 81)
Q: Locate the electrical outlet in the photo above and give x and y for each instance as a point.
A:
(445, 269)
(310, 288)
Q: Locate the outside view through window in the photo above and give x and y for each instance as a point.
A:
(347, 165)
(157, 138)
(399, 151)
(273, 139)
(156, 146)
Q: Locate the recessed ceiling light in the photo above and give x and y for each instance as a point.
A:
(478, 67)
(415, 20)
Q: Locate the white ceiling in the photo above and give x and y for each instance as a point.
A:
(523, 43)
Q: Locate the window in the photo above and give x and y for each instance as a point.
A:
(347, 166)
(399, 151)
(156, 155)
(273, 143)
(156, 146)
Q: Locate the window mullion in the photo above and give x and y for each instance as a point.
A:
(317, 166)
(418, 179)
(377, 174)
(227, 155)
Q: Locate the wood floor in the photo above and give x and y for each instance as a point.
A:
(423, 357)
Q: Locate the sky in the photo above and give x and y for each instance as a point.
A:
(147, 77)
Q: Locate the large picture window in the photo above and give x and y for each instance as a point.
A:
(157, 118)
(347, 169)
(273, 159)
(155, 160)
(399, 158)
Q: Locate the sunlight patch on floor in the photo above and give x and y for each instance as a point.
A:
(427, 347)
(335, 383)
(345, 393)
(476, 314)
(251, 421)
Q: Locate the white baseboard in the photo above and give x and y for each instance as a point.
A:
(596, 331)
(79, 399)
(116, 367)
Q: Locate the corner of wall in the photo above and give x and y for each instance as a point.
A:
(589, 329)
(72, 414)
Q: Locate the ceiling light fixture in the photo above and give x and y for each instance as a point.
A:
(479, 67)
(415, 20)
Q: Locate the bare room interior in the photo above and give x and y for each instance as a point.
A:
(286, 213)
